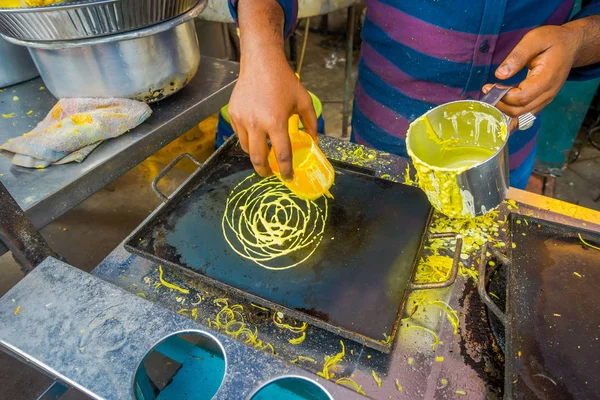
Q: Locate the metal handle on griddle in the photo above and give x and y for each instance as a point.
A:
(453, 272)
(162, 174)
(481, 282)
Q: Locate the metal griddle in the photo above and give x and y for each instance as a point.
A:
(552, 317)
(355, 283)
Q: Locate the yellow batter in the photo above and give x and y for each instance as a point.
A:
(437, 176)
(265, 221)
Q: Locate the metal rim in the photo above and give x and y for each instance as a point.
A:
(200, 332)
(443, 169)
(55, 7)
(136, 34)
(303, 378)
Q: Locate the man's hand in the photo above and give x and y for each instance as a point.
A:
(267, 92)
(549, 52)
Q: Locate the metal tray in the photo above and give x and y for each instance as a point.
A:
(552, 310)
(87, 19)
(355, 283)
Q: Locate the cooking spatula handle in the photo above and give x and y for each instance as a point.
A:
(162, 174)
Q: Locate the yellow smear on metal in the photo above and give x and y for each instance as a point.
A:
(200, 300)
(359, 156)
(586, 243)
(436, 340)
(231, 321)
(302, 358)
(265, 222)
(259, 307)
(474, 231)
(399, 387)
(387, 339)
(169, 285)
(278, 321)
(331, 363)
(376, 378)
(351, 383)
(408, 179)
(298, 340)
(451, 314)
(433, 269)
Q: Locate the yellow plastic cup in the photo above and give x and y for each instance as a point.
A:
(313, 173)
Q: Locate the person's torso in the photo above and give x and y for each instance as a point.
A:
(418, 54)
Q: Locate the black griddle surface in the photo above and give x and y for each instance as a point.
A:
(554, 314)
(355, 281)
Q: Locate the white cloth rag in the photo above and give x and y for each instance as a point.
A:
(73, 129)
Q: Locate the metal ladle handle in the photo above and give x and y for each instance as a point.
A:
(495, 94)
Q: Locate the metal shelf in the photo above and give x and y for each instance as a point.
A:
(46, 194)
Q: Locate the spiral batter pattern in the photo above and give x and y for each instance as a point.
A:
(265, 222)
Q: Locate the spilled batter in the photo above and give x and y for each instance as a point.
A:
(266, 223)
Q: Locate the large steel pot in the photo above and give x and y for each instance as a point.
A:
(15, 64)
(147, 64)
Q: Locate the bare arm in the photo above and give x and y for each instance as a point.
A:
(267, 92)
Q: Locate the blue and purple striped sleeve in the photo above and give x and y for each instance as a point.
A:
(590, 71)
(290, 9)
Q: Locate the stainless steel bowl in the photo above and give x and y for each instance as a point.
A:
(147, 65)
(15, 64)
(87, 19)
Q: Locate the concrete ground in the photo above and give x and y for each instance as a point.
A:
(86, 234)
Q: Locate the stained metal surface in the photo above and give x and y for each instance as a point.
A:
(468, 360)
(16, 65)
(49, 193)
(553, 311)
(364, 262)
(91, 335)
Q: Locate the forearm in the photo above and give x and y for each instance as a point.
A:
(587, 32)
(261, 31)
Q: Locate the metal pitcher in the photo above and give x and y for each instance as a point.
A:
(475, 133)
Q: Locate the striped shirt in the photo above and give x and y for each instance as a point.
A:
(418, 54)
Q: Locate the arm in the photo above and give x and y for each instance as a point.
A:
(267, 92)
(550, 53)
